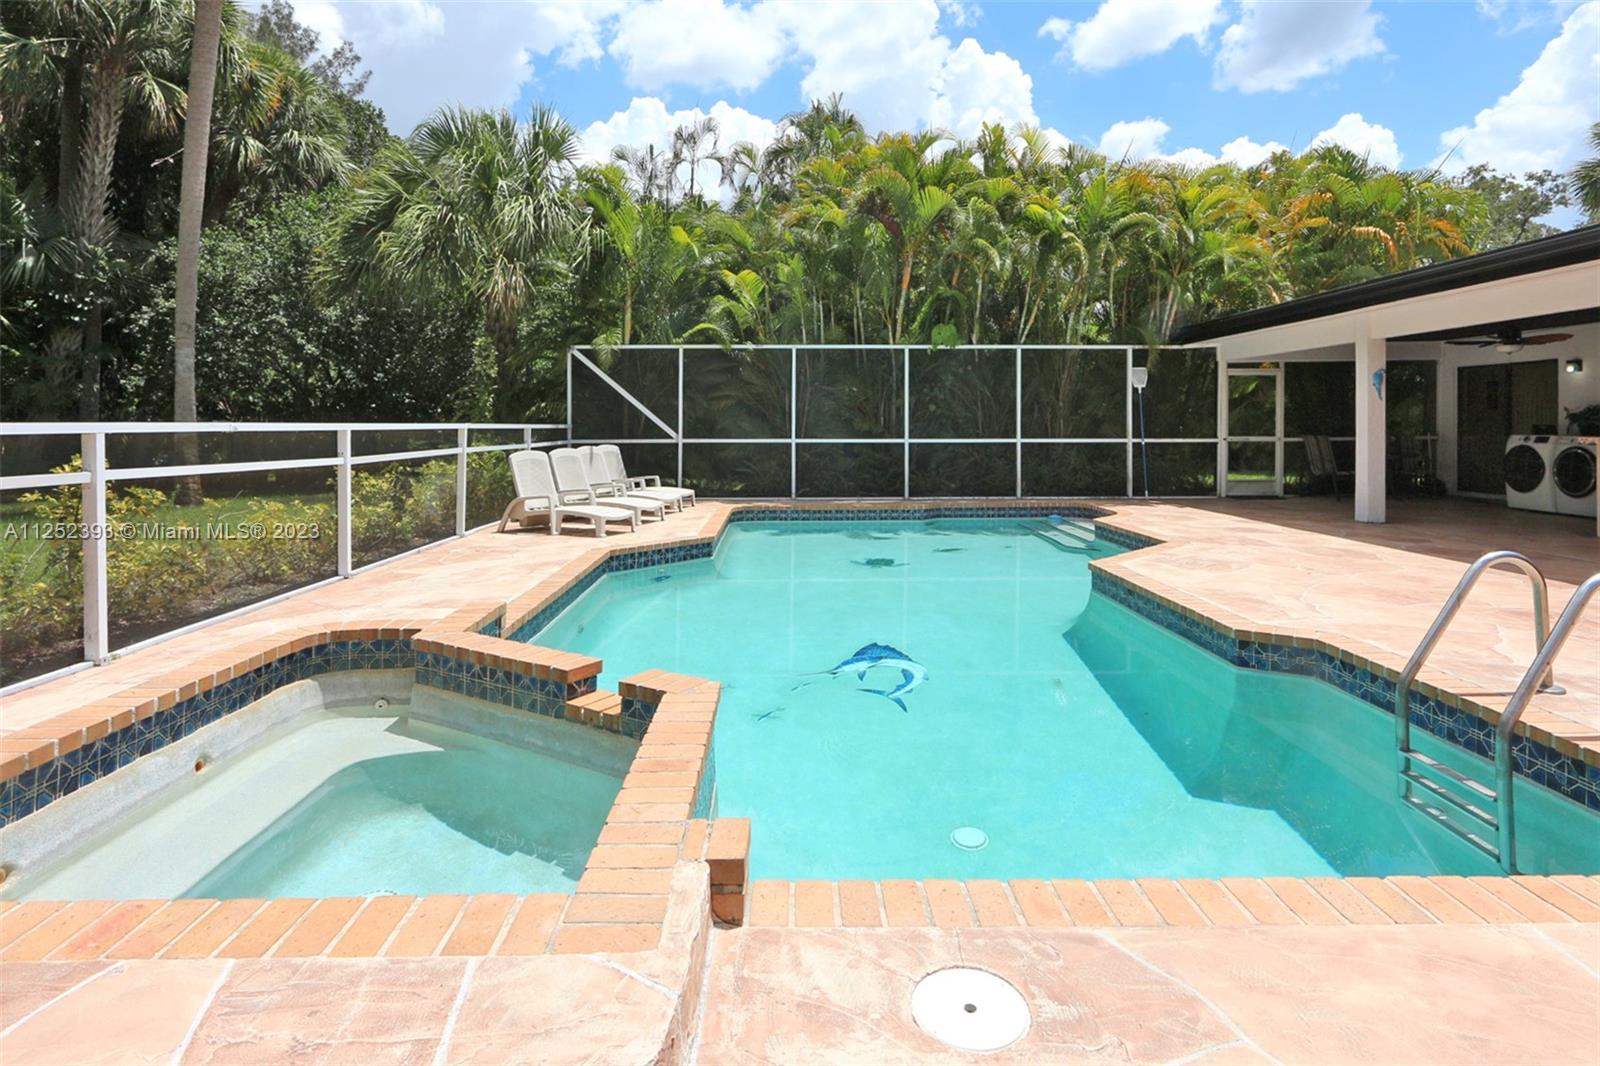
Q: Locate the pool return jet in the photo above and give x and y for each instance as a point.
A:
(871, 656)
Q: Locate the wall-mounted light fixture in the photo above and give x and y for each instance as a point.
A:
(1574, 366)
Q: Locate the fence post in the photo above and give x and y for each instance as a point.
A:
(527, 433)
(905, 424)
(96, 620)
(794, 425)
(680, 418)
(1127, 396)
(346, 534)
(461, 481)
(1018, 426)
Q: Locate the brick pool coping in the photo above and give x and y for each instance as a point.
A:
(504, 925)
(622, 896)
(1187, 902)
(616, 909)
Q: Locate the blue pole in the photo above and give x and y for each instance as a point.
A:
(1144, 447)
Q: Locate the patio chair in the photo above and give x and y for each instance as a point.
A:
(642, 486)
(536, 496)
(576, 476)
(1320, 458)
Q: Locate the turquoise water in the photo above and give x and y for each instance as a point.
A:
(460, 813)
(1083, 740)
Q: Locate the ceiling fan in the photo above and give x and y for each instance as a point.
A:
(1507, 341)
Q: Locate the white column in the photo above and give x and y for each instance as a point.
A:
(1372, 358)
(1222, 424)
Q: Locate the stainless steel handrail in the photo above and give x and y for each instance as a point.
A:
(1541, 622)
(1504, 764)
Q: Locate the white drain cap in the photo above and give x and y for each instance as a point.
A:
(969, 838)
(970, 1009)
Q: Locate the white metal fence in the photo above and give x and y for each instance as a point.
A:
(582, 360)
(97, 477)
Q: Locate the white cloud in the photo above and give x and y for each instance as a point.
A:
(1542, 122)
(323, 17)
(1124, 30)
(1145, 138)
(1243, 152)
(703, 43)
(896, 70)
(1139, 139)
(960, 12)
(890, 61)
(974, 87)
(402, 22)
(572, 29)
(646, 121)
(1352, 131)
(1277, 45)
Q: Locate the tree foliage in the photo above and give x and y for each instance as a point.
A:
(345, 271)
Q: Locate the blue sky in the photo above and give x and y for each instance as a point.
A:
(1513, 84)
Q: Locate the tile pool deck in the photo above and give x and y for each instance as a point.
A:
(1407, 971)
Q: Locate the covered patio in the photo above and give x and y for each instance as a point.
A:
(1417, 379)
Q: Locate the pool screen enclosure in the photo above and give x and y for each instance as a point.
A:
(888, 421)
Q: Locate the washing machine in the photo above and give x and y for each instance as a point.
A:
(1572, 472)
(1527, 473)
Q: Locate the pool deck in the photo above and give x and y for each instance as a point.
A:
(1448, 970)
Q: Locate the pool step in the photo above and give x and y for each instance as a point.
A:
(600, 708)
(1065, 535)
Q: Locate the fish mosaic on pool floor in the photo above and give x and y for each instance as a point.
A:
(879, 563)
(875, 656)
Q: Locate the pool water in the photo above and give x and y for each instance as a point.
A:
(889, 683)
(345, 804)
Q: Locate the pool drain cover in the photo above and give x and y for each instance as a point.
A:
(969, 838)
(969, 1009)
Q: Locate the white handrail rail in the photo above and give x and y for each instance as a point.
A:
(47, 429)
(97, 477)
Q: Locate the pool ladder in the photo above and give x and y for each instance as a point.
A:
(1446, 794)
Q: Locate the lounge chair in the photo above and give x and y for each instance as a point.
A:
(576, 476)
(1320, 459)
(642, 486)
(536, 496)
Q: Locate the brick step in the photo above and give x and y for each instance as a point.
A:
(600, 708)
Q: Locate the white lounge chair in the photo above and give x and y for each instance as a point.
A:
(537, 496)
(642, 486)
(576, 477)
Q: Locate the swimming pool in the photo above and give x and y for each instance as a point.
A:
(357, 784)
(888, 684)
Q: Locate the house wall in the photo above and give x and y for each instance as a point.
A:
(1572, 390)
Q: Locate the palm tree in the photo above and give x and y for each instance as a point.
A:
(904, 195)
(191, 205)
(654, 173)
(112, 57)
(475, 200)
(278, 127)
(1585, 177)
(692, 143)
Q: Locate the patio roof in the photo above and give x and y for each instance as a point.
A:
(1531, 257)
(1554, 279)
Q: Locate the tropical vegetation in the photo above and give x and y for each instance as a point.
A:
(476, 249)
